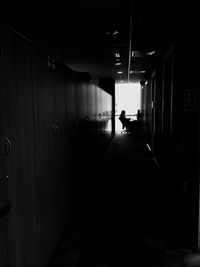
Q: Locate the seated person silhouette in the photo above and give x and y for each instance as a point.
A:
(126, 123)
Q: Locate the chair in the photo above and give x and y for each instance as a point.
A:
(125, 128)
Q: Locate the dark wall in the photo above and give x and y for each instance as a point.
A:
(109, 86)
(171, 127)
(53, 122)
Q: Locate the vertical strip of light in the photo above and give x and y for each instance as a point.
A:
(130, 39)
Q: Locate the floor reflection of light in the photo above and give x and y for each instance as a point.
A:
(108, 127)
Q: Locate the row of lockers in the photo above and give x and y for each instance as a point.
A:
(43, 105)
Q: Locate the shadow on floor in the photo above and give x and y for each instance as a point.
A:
(118, 216)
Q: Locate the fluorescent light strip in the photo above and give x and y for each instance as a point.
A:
(148, 147)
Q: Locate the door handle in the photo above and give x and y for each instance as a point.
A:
(54, 129)
(6, 152)
(7, 146)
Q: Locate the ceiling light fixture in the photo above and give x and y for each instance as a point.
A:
(115, 32)
(120, 72)
(142, 53)
(117, 55)
(150, 53)
(118, 63)
(136, 54)
(112, 32)
(137, 71)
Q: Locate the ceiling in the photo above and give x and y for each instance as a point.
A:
(119, 39)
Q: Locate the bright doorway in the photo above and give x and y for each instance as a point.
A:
(128, 98)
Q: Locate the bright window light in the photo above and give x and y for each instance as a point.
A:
(128, 98)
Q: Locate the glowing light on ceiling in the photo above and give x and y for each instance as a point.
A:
(142, 53)
(137, 71)
(112, 33)
(117, 55)
(150, 53)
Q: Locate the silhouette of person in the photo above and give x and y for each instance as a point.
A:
(139, 115)
(124, 120)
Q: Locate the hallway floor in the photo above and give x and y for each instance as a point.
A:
(120, 219)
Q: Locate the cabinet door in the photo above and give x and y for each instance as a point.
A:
(49, 99)
(59, 145)
(4, 185)
(44, 154)
(81, 97)
(70, 119)
(18, 135)
(4, 198)
(3, 242)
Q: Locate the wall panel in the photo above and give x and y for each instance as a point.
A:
(49, 99)
(43, 104)
(4, 185)
(59, 145)
(18, 131)
(53, 119)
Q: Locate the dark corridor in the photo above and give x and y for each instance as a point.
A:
(72, 191)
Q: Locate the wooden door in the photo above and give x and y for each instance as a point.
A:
(44, 129)
(19, 161)
(4, 185)
(4, 259)
(59, 145)
(81, 98)
(70, 109)
(49, 105)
